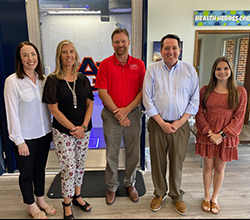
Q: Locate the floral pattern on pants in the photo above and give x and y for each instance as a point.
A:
(71, 153)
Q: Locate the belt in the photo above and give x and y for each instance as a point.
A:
(130, 112)
(169, 121)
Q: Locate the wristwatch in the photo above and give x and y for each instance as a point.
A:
(223, 134)
(85, 128)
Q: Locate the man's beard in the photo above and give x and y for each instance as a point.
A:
(121, 52)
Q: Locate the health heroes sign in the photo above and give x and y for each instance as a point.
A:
(222, 18)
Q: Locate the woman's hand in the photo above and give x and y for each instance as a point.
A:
(23, 149)
(215, 138)
(78, 132)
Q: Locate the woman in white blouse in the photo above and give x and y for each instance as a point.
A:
(29, 127)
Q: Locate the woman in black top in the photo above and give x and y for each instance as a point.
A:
(70, 100)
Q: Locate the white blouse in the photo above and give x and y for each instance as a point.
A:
(27, 116)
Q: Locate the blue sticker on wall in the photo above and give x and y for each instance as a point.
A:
(222, 18)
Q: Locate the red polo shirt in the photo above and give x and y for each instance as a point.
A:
(123, 83)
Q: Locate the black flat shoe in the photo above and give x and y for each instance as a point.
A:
(67, 216)
(83, 207)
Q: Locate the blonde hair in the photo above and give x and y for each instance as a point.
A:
(233, 93)
(59, 70)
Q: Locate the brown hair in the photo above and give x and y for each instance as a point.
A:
(118, 31)
(18, 62)
(233, 93)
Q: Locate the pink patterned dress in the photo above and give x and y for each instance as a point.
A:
(219, 117)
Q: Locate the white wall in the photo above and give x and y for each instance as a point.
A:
(210, 50)
(165, 16)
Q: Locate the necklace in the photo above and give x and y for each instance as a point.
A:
(73, 91)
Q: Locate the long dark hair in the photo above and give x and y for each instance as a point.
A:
(18, 62)
(233, 93)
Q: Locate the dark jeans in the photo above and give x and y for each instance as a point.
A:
(32, 167)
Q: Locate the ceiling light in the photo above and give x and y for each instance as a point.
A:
(120, 10)
(120, 6)
(73, 12)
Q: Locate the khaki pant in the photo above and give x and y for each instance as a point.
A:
(113, 134)
(175, 145)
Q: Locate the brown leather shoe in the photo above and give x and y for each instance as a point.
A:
(110, 197)
(156, 203)
(181, 208)
(133, 194)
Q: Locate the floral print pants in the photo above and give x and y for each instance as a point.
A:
(71, 153)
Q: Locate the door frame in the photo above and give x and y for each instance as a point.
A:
(247, 73)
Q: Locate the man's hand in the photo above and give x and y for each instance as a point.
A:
(120, 114)
(125, 122)
(168, 128)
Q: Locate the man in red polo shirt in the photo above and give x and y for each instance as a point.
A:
(119, 81)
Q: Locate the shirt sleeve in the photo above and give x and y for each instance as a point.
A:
(147, 93)
(201, 123)
(235, 125)
(50, 93)
(90, 94)
(193, 104)
(102, 75)
(12, 111)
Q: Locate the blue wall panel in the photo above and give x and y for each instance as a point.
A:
(13, 30)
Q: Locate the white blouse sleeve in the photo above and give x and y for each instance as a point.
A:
(11, 100)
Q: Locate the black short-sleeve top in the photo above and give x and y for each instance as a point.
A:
(57, 91)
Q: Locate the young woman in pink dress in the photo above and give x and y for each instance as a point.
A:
(219, 122)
